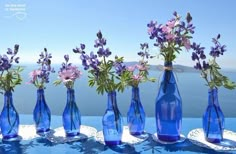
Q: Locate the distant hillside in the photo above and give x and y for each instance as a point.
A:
(177, 68)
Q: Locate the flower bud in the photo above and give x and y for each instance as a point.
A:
(99, 35)
(188, 17)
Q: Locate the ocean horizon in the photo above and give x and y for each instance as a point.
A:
(191, 86)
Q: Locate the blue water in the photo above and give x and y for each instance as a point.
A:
(192, 89)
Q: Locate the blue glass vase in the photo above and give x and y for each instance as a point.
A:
(136, 114)
(42, 114)
(71, 116)
(9, 119)
(112, 122)
(168, 107)
(213, 118)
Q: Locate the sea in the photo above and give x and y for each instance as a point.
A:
(191, 86)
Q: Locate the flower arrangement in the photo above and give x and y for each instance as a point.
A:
(106, 74)
(40, 76)
(172, 36)
(132, 78)
(68, 74)
(9, 75)
(210, 71)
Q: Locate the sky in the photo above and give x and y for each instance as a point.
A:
(61, 25)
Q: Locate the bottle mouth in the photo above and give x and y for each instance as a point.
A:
(168, 66)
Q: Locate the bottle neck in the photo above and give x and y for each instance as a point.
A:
(111, 102)
(135, 93)
(70, 95)
(168, 76)
(168, 66)
(8, 98)
(40, 94)
(213, 96)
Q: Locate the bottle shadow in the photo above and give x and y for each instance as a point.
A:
(186, 146)
(16, 147)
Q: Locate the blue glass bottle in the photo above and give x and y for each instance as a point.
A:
(168, 107)
(136, 114)
(213, 118)
(42, 114)
(9, 119)
(71, 116)
(112, 122)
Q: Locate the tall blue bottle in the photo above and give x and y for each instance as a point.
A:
(71, 116)
(168, 107)
(9, 119)
(213, 118)
(112, 122)
(136, 114)
(42, 114)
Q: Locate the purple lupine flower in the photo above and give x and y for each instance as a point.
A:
(6, 62)
(199, 55)
(194, 56)
(218, 49)
(144, 46)
(188, 17)
(175, 14)
(9, 51)
(44, 71)
(190, 28)
(205, 65)
(144, 53)
(100, 42)
(100, 52)
(198, 66)
(16, 48)
(79, 50)
(107, 52)
(119, 66)
(17, 59)
(66, 57)
(82, 46)
(152, 29)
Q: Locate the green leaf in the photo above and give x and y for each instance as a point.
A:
(56, 83)
(152, 79)
(229, 84)
(91, 83)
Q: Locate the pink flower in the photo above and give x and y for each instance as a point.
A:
(69, 74)
(187, 43)
(166, 29)
(137, 77)
(131, 68)
(141, 67)
(34, 75)
(170, 36)
(171, 24)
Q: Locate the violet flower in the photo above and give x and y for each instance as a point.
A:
(210, 71)
(172, 36)
(9, 77)
(102, 72)
(40, 76)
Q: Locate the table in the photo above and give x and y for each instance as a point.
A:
(43, 146)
